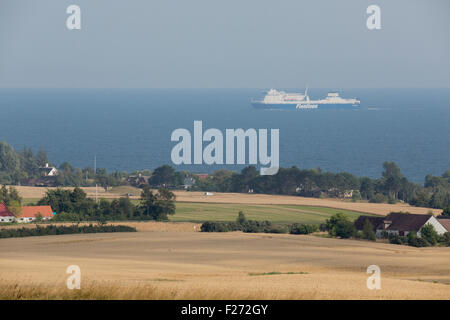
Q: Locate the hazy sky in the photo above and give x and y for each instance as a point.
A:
(226, 43)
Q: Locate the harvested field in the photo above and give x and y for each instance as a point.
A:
(193, 265)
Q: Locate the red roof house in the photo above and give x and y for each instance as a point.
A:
(34, 211)
(4, 212)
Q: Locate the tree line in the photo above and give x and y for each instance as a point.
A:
(74, 205)
(391, 187)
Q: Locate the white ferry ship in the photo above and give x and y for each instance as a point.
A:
(275, 99)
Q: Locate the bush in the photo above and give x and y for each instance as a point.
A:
(446, 211)
(368, 232)
(297, 228)
(345, 229)
(252, 226)
(415, 241)
(64, 216)
(395, 239)
(429, 234)
(356, 196)
(278, 229)
(241, 218)
(391, 200)
(334, 220)
(445, 239)
(378, 198)
(220, 226)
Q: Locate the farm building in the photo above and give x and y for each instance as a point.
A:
(445, 222)
(401, 223)
(30, 213)
(49, 171)
(5, 214)
(376, 222)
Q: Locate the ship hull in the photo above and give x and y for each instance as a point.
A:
(288, 106)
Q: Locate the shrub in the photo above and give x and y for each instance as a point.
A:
(445, 239)
(356, 196)
(395, 239)
(446, 211)
(278, 229)
(368, 232)
(378, 198)
(297, 228)
(252, 226)
(415, 241)
(391, 200)
(331, 224)
(345, 229)
(241, 218)
(220, 226)
(429, 234)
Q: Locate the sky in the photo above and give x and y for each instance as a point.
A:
(224, 44)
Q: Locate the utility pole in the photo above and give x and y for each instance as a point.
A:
(95, 176)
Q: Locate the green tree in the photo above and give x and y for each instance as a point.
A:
(157, 206)
(163, 176)
(10, 195)
(429, 234)
(335, 220)
(41, 157)
(367, 231)
(9, 163)
(241, 219)
(446, 211)
(392, 179)
(345, 229)
(164, 205)
(15, 207)
(356, 196)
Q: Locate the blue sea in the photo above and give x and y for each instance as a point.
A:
(129, 129)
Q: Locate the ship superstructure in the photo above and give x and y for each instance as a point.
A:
(275, 99)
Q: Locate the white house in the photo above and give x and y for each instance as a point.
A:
(403, 223)
(49, 171)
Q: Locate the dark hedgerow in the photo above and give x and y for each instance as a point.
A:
(253, 226)
(60, 230)
(297, 228)
(209, 226)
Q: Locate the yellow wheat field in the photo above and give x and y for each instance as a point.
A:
(193, 265)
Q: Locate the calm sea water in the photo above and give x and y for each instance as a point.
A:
(129, 129)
